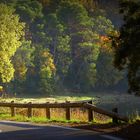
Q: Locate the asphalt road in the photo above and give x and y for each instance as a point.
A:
(27, 131)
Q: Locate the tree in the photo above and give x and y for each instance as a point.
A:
(107, 74)
(84, 45)
(69, 33)
(11, 31)
(22, 61)
(29, 10)
(127, 43)
(58, 43)
(40, 75)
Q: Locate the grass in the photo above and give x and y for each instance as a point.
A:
(47, 99)
(20, 118)
(134, 117)
(78, 115)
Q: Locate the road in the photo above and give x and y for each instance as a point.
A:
(27, 131)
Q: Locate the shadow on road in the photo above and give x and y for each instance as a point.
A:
(23, 125)
(31, 132)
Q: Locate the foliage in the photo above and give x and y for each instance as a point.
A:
(106, 72)
(11, 31)
(63, 47)
(22, 61)
(127, 44)
(28, 10)
(58, 43)
(40, 75)
(84, 48)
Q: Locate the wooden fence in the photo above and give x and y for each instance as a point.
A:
(67, 105)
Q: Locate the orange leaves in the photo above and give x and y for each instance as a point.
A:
(104, 39)
(106, 44)
(48, 60)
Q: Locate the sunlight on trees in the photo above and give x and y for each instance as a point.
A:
(66, 46)
(11, 31)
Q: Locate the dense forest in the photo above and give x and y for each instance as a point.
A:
(62, 45)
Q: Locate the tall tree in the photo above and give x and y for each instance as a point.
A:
(40, 75)
(107, 75)
(127, 44)
(22, 61)
(84, 45)
(58, 43)
(11, 31)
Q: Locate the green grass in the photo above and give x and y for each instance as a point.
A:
(99, 121)
(21, 118)
(134, 117)
(38, 115)
(57, 116)
(47, 99)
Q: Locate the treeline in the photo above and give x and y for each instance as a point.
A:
(66, 46)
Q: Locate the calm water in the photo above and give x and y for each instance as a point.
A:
(127, 104)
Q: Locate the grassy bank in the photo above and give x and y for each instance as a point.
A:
(78, 114)
(20, 118)
(47, 99)
(57, 114)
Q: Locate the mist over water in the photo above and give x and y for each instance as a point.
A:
(127, 104)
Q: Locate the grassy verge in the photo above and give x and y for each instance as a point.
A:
(78, 115)
(21, 118)
(47, 99)
(56, 117)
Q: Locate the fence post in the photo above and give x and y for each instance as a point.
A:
(90, 113)
(48, 113)
(115, 120)
(29, 110)
(67, 112)
(12, 109)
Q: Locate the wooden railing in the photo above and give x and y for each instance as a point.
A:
(67, 105)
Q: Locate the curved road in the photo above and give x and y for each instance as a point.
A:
(27, 131)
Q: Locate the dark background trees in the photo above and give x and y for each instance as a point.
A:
(127, 44)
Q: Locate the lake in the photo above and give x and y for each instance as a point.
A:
(127, 104)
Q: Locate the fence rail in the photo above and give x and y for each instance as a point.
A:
(67, 105)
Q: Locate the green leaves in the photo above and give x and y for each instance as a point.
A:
(6, 69)
(29, 10)
(22, 60)
(64, 45)
(73, 13)
(11, 31)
